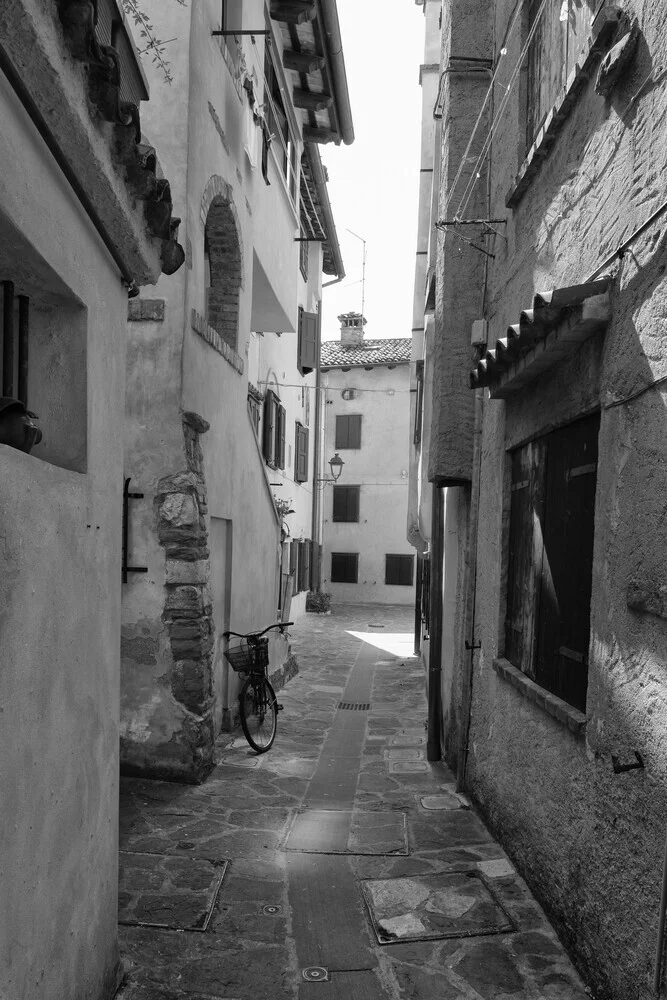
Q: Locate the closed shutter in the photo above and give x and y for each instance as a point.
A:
(281, 420)
(344, 567)
(307, 571)
(346, 503)
(268, 434)
(348, 431)
(398, 570)
(308, 338)
(294, 565)
(301, 456)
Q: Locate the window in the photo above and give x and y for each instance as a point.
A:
(551, 558)
(283, 143)
(398, 570)
(348, 394)
(346, 503)
(301, 454)
(308, 342)
(304, 565)
(304, 247)
(419, 402)
(254, 406)
(273, 437)
(561, 27)
(344, 567)
(348, 431)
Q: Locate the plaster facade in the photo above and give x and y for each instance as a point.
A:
(63, 182)
(379, 467)
(589, 840)
(207, 528)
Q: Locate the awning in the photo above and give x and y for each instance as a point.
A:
(558, 323)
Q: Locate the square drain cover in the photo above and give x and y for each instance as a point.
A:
(426, 907)
(158, 890)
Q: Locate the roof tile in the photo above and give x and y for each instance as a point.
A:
(371, 352)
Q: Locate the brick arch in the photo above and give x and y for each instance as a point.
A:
(224, 250)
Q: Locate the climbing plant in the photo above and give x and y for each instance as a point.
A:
(149, 40)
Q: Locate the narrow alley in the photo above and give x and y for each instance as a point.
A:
(338, 865)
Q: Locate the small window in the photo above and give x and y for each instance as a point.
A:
(308, 341)
(346, 503)
(344, 567)
(301, 454)
(398, 570)
(273, 436)
(349, 394)
(348, 431)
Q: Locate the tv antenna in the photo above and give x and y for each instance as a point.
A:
(363, 270)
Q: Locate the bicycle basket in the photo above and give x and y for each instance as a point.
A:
(241, 658)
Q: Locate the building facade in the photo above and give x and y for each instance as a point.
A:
(221, 362)
(366, 413)
(546, 459)
(78, 231)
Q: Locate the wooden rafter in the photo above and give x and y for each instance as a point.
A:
(293, 11)
(302, 62)
(309, 101)
(321, 135)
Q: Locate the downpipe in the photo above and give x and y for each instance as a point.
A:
(661, 928)
(434, 726)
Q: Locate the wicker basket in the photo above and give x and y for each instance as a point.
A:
(241, 658)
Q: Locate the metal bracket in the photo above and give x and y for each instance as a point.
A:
(225, 34)
(621, 768)
(127, 496)
(473, 645)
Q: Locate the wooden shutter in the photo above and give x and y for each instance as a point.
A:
(269, 426)
(294, 565)
(344, 567)
(342, 423)
(301, 456)
(354, 430)
(307, 575)
(346, 503)
(308, 338)
(398, 570)
(281, 420)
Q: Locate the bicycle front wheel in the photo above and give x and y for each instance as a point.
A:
(259, 713)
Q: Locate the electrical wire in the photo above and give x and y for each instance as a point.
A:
(634, 395)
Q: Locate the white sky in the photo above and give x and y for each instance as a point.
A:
(374, 183)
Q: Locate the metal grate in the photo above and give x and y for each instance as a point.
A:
(354, 706)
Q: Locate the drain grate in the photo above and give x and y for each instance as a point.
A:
(354, 706)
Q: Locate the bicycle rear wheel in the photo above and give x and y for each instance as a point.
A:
(259, 713)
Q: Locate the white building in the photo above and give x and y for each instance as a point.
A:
(366, 419)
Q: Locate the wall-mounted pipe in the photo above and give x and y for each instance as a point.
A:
(433, 742)
(8, 338)
(24, 335)
(661, 927)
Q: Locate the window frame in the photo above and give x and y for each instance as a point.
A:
(550, 538)
(342, 438)
(273, 430)
(337, 557)
(401, 561)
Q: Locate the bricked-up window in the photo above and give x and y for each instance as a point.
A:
(222, 262)
(346, 503)
(301, 454)
(344, 567)
(551, 558)
(399, 570)
(561, 29)
(308, 341)
(348, 431)
(273, 433)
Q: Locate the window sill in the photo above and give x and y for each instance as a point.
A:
(569, 717)
(602, 33)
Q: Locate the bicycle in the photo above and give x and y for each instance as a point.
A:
(258, 706)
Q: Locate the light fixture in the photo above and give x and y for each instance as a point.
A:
(336, 465)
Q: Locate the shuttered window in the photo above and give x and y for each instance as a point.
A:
(348, 431)
(273, 432)
(308, 341)
(550, 564)
(301, 454)
(346, 503)
(344, 567)
(398, 570)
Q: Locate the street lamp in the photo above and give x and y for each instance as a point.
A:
(336, 465)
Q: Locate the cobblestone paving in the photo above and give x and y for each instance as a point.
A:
(347, 853)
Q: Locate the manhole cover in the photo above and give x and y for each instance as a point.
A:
(167, 891)
(272, 910)
(405, 754)
(433, 803)
(406, 741)
(315, 974)
(373, 625)
(354, 706)
(407, 766)
(240, 761)
(427, 907)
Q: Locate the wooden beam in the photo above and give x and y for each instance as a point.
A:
(293, 11)
(309, 101)
(322, 135)
(302, 62)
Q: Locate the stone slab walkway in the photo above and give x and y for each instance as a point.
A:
(338, 866)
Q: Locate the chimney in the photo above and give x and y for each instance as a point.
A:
(351, 329)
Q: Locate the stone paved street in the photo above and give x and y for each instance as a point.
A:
(341, 851)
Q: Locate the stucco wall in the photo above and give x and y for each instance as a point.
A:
(60, 619)
(590, 842)
(384, 404)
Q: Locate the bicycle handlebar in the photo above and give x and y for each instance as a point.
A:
(255, 635)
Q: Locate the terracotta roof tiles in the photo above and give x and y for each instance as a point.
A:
(393, 351)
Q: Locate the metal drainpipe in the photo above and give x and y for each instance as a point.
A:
(316, 582)
(418, 604)
(433, 750)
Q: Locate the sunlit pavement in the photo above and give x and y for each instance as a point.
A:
(338, 866)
